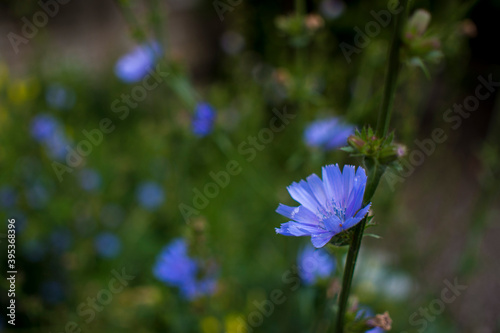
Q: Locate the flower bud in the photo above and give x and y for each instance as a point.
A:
(313, 22)
(355, 142)
(418, 23)
(383, 321)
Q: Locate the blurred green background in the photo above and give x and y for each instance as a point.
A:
(119, 206)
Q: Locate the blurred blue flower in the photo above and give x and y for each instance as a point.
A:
(203, 119)
(232, 42)
(133, 66)
(56, 145)
(328, 133)
(37, 195)
(59, 97)
(61, 239)
(315, 264)
(89, 179)
(43, 126)
(8, 196)
(332, 8)
(175, 268)
(107, 245)
(33, 250)
(47, 131)
(327, 207)
(52, 292)
(150, 195)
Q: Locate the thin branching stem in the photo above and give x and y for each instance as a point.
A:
(375, 169)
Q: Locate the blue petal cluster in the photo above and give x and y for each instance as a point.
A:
(60, 97)
(107, 245)
(90, 179)
(133, 66)
(174, 267)
(328, 133)
(47, 130)
(315, 264)
(8, 196)
(150, 195)
(203, 119)
(328, 206)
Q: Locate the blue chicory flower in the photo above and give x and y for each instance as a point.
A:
(203, 119)
(176, 268)
(315, 264)
(46, 130)
(37, 195)
(59, 97)
(56, 145)
(133, 66)
(8, 196)
(327, 207)
(107, 245)
(332, 9)
(150, 195)
(89, 179)
(61, 239)
(43, 126)
(328, 133)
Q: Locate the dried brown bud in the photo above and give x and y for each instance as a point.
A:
(314, 21)
(468, 28)
(383, 321)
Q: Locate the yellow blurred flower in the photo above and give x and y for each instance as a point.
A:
(235, 324)
(210, 324)
(20, 91)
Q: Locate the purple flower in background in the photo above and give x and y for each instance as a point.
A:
(232, 42)
(56, 145)
(328, 206)
(107, 245)
(203, 119)
(175, 268)
(332, 8)
(8, 196)
(43, 126)
(37, 195)
(315, 264)
(59, 97)
(61, 239)
(150, 195)
(328, 133)
(89, 179)
(133, 66)
(47, 130)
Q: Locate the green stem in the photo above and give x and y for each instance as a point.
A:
(391, 78)
(300, 7)
(375, 169)
(376, 172)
